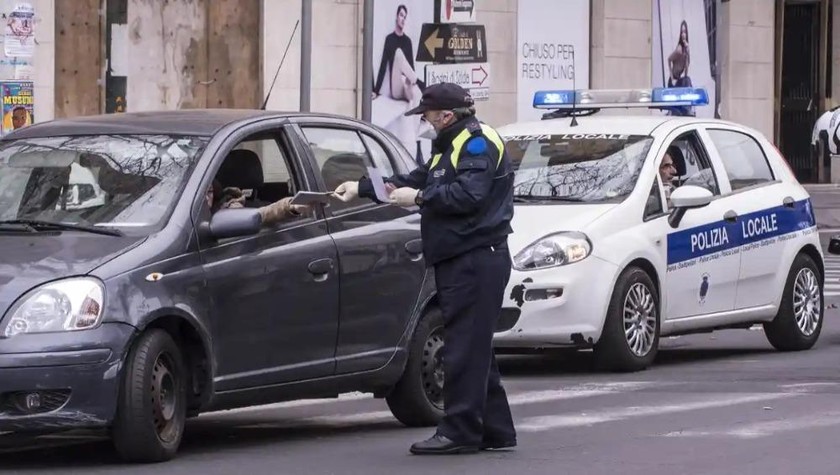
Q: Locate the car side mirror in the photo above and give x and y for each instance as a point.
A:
(834, 244)
(227, 223)
(687, 197)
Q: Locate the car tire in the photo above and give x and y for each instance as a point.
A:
(636, 294)
(797, 327)
(151, 411)
(417, 398)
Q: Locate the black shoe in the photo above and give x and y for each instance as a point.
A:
(497, 444)
(440, 445)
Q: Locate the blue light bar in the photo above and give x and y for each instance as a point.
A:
(684, 96)
(656, 98)
(549, 99)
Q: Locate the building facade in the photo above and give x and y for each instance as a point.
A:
(767, 63)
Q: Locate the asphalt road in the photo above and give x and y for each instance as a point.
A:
(720, 403)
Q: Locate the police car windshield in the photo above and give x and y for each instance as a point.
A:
(576, 167)
(125, 182)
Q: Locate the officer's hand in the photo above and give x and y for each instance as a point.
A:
(404, 197)
(347, 191)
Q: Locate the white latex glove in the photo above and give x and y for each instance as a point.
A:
(347, 191)
(404, 197)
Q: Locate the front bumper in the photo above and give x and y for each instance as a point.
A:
(59, 381)
(558, 307)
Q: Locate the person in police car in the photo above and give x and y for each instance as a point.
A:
(465, 195)
(668, 170)
(232, 198)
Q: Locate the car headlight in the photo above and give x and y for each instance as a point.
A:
(553, 250)
(65, 305)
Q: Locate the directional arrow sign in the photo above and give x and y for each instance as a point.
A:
(432, 44)
(474, 77)
(455, 11)
(479, 75)
(449, 43)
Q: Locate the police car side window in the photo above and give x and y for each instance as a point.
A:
(653, 206)
(742, 157)
(693, 164)
(341, 156)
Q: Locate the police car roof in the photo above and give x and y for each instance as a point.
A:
(202, 122)
(601, 124)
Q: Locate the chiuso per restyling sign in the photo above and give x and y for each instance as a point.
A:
(552, 49)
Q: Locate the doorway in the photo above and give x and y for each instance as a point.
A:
(801, 94)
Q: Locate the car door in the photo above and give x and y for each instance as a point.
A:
(701, 255)
(764, 210)
(379, 247)
(275, 294)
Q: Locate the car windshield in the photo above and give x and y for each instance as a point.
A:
(113, 181)
(576, 167)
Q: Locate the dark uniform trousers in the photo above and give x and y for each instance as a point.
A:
(467, 195)
(470, 291)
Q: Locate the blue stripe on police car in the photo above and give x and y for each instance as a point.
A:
(752, 227)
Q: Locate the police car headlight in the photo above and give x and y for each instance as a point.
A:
(554, 250)
(65, 305)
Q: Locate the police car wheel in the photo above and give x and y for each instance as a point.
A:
(151, 411)
(799, 321)
(630, 338)
(417, 398)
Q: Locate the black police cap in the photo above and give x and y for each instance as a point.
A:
(443, 96)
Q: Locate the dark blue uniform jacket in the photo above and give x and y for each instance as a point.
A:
(464, 207)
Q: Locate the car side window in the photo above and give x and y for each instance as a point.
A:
(379, 155)
(256, 173)
(653, 206)
(742, 157)
(692, 165)
(341, 156)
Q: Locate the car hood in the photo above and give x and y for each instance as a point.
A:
(28, 260)
(533, 221)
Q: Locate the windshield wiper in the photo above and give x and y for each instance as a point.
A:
(531, 198)
(34, 224)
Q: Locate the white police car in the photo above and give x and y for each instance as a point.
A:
(603, 258)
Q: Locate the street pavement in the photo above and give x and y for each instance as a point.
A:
(717, 403)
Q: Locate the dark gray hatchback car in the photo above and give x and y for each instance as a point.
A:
(129, 303)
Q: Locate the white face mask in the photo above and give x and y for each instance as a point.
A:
(430, 133)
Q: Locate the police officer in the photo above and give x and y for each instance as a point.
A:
(465, 196)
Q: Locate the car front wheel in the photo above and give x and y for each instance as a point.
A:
(417, 399)
(151, 413)
(799, 321)
(630, 338)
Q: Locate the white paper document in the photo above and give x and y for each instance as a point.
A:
(378, 185)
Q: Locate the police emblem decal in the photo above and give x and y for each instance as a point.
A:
(704, 288)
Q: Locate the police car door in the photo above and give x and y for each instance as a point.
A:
(767, 212)
(702, 267)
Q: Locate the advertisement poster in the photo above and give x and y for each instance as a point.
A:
(19, 39)
(552, 50)
(684, 49)
(398, 79)
(18, 105)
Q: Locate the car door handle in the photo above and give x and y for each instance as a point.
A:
(415, 249)
(788, 202)
(321, 268)
(730, 216)
(415, 246)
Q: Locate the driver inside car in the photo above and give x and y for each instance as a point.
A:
(231, 198)
(667, 172)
